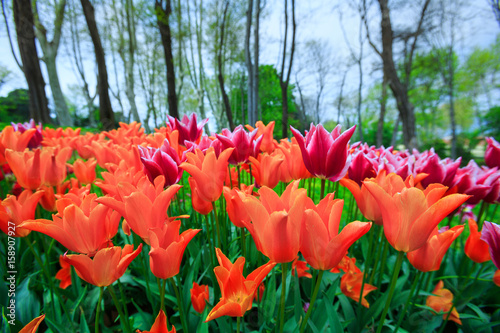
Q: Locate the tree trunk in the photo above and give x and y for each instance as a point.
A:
(399, 90)
(106, 114)
(49, 49)
(250, 67)
(256, 50)
(341, 97)
(23, 18)
(284, 82)
(220, 77)
(395, 131)
(162, 19)
(383, 105)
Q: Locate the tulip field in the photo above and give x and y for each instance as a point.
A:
(180, 231)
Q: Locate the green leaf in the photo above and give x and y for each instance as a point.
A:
(27, 303)
(333, 318)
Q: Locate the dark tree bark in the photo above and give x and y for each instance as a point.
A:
(220, 77)
(162, 18)
(23, 18)
(250, 67)
(399, 86)
(106, 113)
(383, 105)
(284, 80)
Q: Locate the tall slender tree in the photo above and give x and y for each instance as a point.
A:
(50, 49)
(285, 78)
(23, 19)
(106, 114)
(163, 10)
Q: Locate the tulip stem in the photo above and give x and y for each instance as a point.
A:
(180, 304)
(382, 264)
(49, 280)
(216, 218)
(313, 299)
(161, 289)
(367, 265)
(377, 255)
(237, 324)
(322, 193)
(123, 319)
(410, 295)
(397, 268)
(480, 219)
(284, 267)
(98, 309)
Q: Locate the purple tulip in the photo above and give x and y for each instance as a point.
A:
(491, 235)
(244, 144)
(189, 129)
(36, 139)
(326, 155)
(162, 161)
(492, 154)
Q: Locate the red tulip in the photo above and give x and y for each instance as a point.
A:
(199, 296)
(85, 171)
(438, 171)
(265, 169)
(32, 326)
(299, 268)
(64, 274)
(476, 248)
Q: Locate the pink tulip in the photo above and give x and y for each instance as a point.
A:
(492, 154)
(480, 183)
(189, 129)
(437, 170)
(491, 235)
(36, 139)
(163, 161)
(362, 166)
(244, 144)
(325, 155)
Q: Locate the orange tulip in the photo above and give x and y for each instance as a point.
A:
(237, 291)
(64, 274)
(199, 296)
(53, 165)
(107, 266)
(85, 171)
(266, 131)
(160, 325)
(428, 258)
(82, 229)
(476, 248)
(442, 301)
(293, 159)
(276, 221)
(167, 248)
(322, 246)
(496, 277)
(199, 205)
(15, 210)
(235, 207)
(300, 268)
(26, 167)
(266, 169)
(351, 282)
(364, 199)
(208, 171)
(14, 140)
(32, 326)
(409, 214)
(143, 206)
